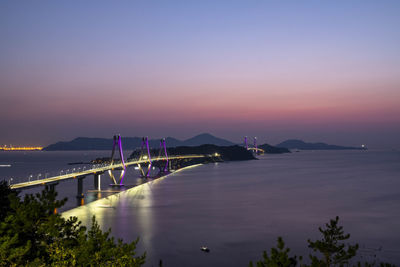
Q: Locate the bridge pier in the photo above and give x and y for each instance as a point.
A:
(52, 186)
(97, 181)
(80, 188)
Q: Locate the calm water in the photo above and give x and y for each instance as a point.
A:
(238, 209)
(35, 165)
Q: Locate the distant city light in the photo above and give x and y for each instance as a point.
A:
(23, 148)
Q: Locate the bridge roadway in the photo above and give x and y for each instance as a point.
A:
(256, 149)
(74, 175)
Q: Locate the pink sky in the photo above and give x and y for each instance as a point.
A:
(314, 72)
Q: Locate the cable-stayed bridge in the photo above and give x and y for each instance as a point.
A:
(145, 161)
(254, 148)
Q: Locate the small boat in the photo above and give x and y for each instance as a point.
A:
(205, 249)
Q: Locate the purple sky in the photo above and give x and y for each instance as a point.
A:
(314, 70)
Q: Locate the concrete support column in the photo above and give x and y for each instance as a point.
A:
(52, 186)
(97, 181)
(80, 188)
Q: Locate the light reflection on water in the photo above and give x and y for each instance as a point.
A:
(239, 208)
(33, 165)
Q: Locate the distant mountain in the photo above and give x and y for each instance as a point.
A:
(171, 142)
(130, 143)
(299, 144)
(268, 149)
(82, 143)
(206, 138)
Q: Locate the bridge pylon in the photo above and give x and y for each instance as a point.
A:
(117, 143)
(145, 155)
(254, 148)
(163, 153)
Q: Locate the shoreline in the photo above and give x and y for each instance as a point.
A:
(66, 214)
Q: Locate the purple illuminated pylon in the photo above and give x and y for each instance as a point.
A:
(163, 155)
(145, 142)
(245, 142)
(163, 145)
(122, 160)
(117, 141)
(148, 149)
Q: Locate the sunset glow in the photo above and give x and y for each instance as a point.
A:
(315, 71)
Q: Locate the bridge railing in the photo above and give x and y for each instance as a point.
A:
(49, 174)
(78, 171)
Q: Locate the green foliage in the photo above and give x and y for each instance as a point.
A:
(332, 248)
(31, 224)
(5, 192)
(32, 234)
(279, 257)
(104, 250)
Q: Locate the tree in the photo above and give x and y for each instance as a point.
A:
(104, 250)
(5, 192)
(33, 234)
(279, 257)
(32, 225)
(331, 246)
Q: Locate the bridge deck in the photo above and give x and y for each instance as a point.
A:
(75, 175)
(256, 149)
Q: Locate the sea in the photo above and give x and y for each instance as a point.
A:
(236, 209)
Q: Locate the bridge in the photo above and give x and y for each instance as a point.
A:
(254, 148)
(144, 163)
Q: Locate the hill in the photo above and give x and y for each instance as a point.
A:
(299, 144)
(206, 138)
(227, 153)
(268, 149)
(130, 143)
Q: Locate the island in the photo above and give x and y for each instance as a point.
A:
(268, 149)
(301, 145)
(226, 153)
(131, 143)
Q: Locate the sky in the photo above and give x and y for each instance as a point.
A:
(324, 71)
